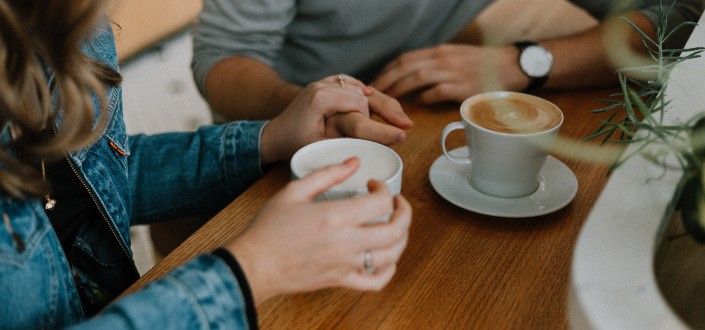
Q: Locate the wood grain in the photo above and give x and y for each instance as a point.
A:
(460, 269)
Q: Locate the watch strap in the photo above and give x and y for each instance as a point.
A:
(535, 83)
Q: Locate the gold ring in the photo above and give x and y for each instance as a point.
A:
(341, 80)
(369, 269)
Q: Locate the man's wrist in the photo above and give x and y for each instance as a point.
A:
(513, 78)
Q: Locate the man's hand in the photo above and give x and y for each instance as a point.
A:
(329, 109)
(452, 73)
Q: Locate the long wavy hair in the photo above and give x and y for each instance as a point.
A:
(36, 35)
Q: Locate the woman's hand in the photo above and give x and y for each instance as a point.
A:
(295, 244)
(330, 108)
(452, 72)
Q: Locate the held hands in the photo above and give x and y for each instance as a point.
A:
(452, 72)
(296, 245)
(333, 107)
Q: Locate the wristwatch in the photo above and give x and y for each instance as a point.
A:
(535, 61)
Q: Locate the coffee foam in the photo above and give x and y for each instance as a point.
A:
(513, 115)
(376, 161)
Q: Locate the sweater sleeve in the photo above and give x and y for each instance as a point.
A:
(253, 28)
(682, 11)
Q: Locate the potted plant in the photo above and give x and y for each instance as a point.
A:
(637, 115)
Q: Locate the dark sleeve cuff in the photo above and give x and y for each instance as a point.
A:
(229, 259)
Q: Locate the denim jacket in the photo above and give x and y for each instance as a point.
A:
(137, 180)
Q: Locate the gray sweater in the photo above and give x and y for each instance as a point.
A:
(305, 40)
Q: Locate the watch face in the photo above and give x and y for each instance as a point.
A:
(536, 61)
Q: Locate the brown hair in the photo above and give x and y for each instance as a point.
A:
(33, 35)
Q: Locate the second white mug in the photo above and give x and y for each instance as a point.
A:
(376, 162)
(509, 136)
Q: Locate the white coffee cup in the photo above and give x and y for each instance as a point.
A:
(376, 162)
(509, 136)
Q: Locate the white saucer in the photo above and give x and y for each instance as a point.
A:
(557, 187)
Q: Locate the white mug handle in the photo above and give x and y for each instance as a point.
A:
(446, 130)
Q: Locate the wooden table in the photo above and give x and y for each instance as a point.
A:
(460, 269)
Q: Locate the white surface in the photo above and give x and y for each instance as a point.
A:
(557, 187)
(613, 285)
(159, 94)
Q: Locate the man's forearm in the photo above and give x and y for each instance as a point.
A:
(240, 88)
(591, 58)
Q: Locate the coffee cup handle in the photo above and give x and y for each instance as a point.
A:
(446, 130)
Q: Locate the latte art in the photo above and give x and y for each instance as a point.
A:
(514, 115)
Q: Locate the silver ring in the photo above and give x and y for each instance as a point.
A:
(341, 80)
(368, 262)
